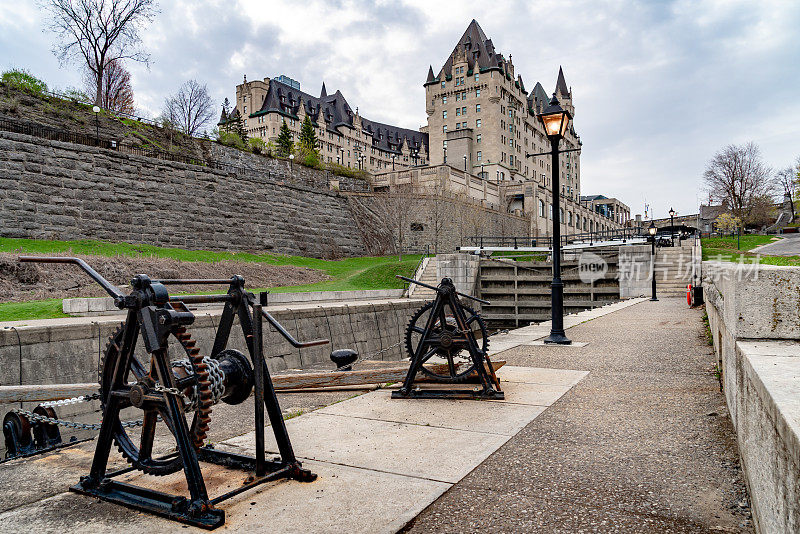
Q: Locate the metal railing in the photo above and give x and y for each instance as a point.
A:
(621, 234)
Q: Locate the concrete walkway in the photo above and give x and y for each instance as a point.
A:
(644, 443)
(789, 245)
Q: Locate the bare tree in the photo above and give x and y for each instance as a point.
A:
(440, 209)
(786, 180)
(116, 92)
(738, 177)
(190, 109)
(98, 32)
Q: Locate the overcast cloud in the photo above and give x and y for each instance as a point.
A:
(658, 86)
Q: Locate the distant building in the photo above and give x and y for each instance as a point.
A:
(345, 137)
(482, 125)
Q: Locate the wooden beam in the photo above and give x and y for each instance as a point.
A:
(319, 379)
(46, 392)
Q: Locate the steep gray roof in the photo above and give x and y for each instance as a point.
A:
(561, 84)
(286, 100)
(479, 50)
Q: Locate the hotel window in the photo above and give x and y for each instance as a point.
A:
(510, 159)
(458, 112)
(444, 129)
(444, 114)
(477, 76)
(479, 155)
(478, 139)
(443, 84)
(458, 126)
(478, 123)
(444, 100)
(458, 96)
(477, 108)
(245, 109)
(464, 110)
(464, 125)
(541, 208)
(463, 95)
(477, 93)
(551, 211)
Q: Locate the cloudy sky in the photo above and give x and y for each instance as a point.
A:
(658, 86)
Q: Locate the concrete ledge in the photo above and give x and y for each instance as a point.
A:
(94, 306)
(768, 430)
(754, 318)
(755, 301)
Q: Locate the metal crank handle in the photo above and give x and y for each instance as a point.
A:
(110, 288)
(460, 294)
(296, 344)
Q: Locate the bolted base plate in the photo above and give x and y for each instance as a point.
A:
(449, 394)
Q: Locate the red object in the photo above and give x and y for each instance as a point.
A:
(689, 294)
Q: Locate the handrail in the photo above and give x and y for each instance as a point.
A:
(110, 288)
(296, 344)
(412, 281)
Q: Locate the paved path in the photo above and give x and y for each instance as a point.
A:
(642, 444)
(788, 246)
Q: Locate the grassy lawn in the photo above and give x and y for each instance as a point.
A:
(725, 249)
(347, 274)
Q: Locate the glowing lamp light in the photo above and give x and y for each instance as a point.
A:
(652, 229)
(555, 119)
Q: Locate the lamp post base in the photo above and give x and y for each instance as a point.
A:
(557, 338)
(653, 299)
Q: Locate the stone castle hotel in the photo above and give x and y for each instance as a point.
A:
(482, 124)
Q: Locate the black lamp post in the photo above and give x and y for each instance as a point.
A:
(672, 213)
(96, 110)
(652, 231)
(445, 154)
(393, 161)
(465, 163)
(291, 162)
(556, 120)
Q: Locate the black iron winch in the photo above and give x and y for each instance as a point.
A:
(167, 391)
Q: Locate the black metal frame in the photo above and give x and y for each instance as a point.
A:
(447, 297)
(154, 314)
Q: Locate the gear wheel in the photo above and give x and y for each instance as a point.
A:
(202, 416)
(448, 351)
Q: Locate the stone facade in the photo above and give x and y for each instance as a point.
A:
(430, 223)
(55, 190)
(483, 122)
(345, 136)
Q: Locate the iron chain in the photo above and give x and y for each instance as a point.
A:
(70, 424)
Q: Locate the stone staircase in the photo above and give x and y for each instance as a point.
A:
(673, 270)
(428, 276)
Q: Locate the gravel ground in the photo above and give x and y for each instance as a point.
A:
(643, 444)
(31, 281)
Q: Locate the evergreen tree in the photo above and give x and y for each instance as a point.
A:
(308, 137)
(235, 125)
(285, 140)
(226, 107)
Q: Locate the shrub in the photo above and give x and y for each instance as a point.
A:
(22, 79)
(257, 145)
(76, 95)
(231, 139)
(341, 170)
(309, 158)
